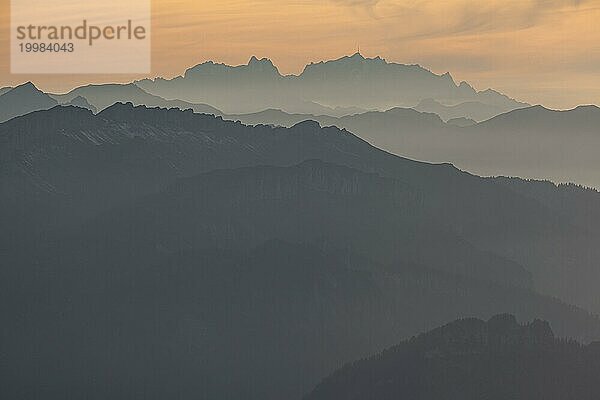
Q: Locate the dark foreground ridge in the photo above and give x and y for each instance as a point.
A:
(156, 254)
(473, 359)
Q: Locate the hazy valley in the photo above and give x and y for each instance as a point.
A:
(239, 233)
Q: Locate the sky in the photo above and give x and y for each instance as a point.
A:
(540, 51)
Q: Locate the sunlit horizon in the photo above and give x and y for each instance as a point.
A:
(537, 52)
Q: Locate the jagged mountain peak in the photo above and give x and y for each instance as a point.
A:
(358, 59)
(357, 56)
(255, 64)
(127, 111)
(260, 61)
(27, 84)
(23, 99)
(375, 83)
(448, 76)
(262, 65)
(27, 87)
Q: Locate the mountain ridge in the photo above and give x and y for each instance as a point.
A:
(395, 84)
(533, 142)
(178, 144)
(102, 96)
(471, 358)
(22, 100)
(174, 248)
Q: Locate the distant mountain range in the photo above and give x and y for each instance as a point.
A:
(237, 233)
(470, 359)
(82, 102)
(351, 82)
(532, 142)
(102, 96)
(23, 99)
(474, 110)
(171, 150)
(321, 89)
(165, 251)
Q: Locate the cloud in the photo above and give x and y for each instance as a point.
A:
(424, 19)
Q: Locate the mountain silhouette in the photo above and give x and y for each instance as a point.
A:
(532, 142)
(195, 255)
(473, 359)
(474, 110)
(272, 320)
(374, 84)
(105, 95)
(133, 151)
(82, 102)
(22, 100)
(185, 253)
(377, 127)
(538, 143)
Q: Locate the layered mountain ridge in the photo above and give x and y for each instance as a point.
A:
(187, 253)
(23, 99)
(350, 81)
(532, 142)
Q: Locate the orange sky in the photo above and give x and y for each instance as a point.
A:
(540, 51)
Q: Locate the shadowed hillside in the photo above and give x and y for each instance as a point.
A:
(164, 251)
(473, 359)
